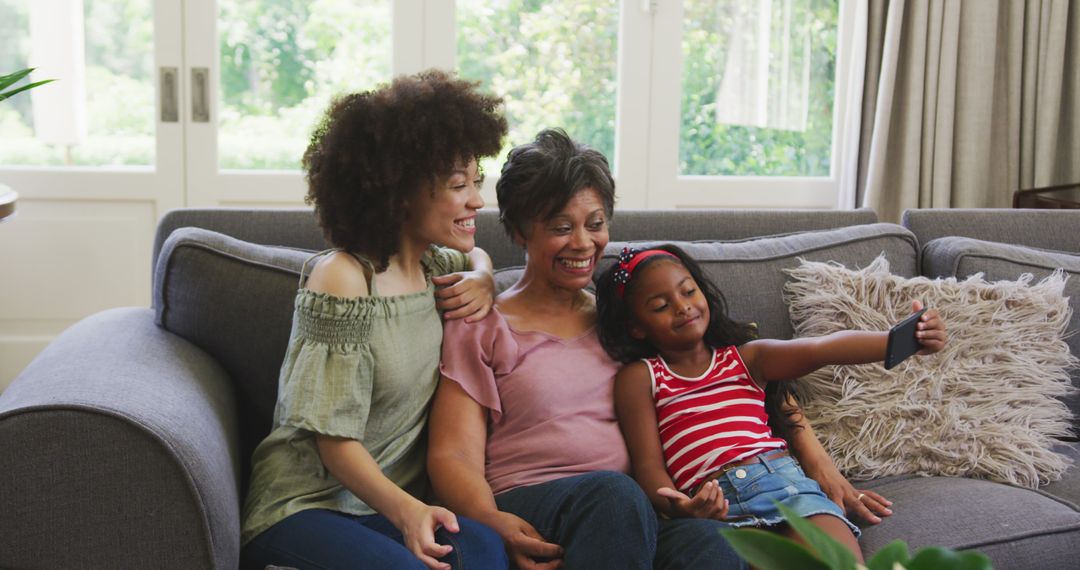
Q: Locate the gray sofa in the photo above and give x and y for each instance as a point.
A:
(126, 442)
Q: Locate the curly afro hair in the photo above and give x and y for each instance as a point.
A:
(374, 150)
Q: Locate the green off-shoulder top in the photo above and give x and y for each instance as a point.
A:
(361, 368)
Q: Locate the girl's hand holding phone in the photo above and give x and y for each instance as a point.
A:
(930, 332)
(708, 502)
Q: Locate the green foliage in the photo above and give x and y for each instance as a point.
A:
(554, 61)
(709, 147)
(282, 62)
(768, 550)
(888, 557)
(771, 551)
(834, 554)
(8, 81)
(119, 88)
(266, 61)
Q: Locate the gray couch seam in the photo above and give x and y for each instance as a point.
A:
(1030, 535)
(1056, 498)
(154, 434)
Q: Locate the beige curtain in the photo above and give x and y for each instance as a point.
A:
(966, 101)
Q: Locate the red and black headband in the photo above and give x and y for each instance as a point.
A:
(628, 260)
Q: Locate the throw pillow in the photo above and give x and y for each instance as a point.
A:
(987, 406)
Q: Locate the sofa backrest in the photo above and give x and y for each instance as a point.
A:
(288, 227)
(234, 298)
(1046, 229)
(296, 227)
(683, 225)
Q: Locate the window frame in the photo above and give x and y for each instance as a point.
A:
(647, 121)
(669, 189)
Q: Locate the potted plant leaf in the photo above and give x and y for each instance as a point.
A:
(770, 551)
(6, 82)
(7, 195)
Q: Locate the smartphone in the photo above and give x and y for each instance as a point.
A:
(902, 342)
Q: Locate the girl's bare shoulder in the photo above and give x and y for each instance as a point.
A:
(339, 274)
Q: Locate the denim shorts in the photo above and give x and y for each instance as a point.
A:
(751, 490)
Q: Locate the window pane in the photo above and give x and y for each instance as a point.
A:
(553, 61)
(282, 61)
(757, 87)
(100, 112)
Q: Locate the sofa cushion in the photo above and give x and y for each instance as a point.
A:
(961, 257)
(985, 406)
(1017, 528)
(234, 300)
(750, 273)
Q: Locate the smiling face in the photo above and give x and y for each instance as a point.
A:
(564, 249)
(667, 307)
(446, 214)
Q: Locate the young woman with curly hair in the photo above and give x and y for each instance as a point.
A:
(391, 173)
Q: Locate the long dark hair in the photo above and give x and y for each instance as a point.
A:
(614, 331)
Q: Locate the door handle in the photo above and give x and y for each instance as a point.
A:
(170, 94)
(200, 95)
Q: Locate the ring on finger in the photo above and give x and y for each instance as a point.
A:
(860, 497)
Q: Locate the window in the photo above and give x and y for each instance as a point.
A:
(745, 101)
(281, 63)
(554, 62)
(695, 102)
(757, 87)
(101, 110)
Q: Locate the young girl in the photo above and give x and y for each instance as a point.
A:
(700, 377)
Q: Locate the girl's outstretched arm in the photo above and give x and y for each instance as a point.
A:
(636, 411)
(770, 359)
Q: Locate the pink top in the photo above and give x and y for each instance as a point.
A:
(550, 405)
(710, 421)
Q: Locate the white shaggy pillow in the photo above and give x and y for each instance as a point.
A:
(986, 406)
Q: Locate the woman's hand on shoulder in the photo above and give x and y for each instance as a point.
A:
(528, 550)
(339, 274)
(708, 502)
(930, 331)
(417, 524)
(467, 294)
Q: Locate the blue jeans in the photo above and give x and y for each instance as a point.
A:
(604, 520)
(320, 538)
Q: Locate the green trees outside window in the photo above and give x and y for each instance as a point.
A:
(757, 87)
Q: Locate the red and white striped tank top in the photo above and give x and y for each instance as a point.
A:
(709, 421)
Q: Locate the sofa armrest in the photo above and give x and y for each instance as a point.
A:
(119, 447)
